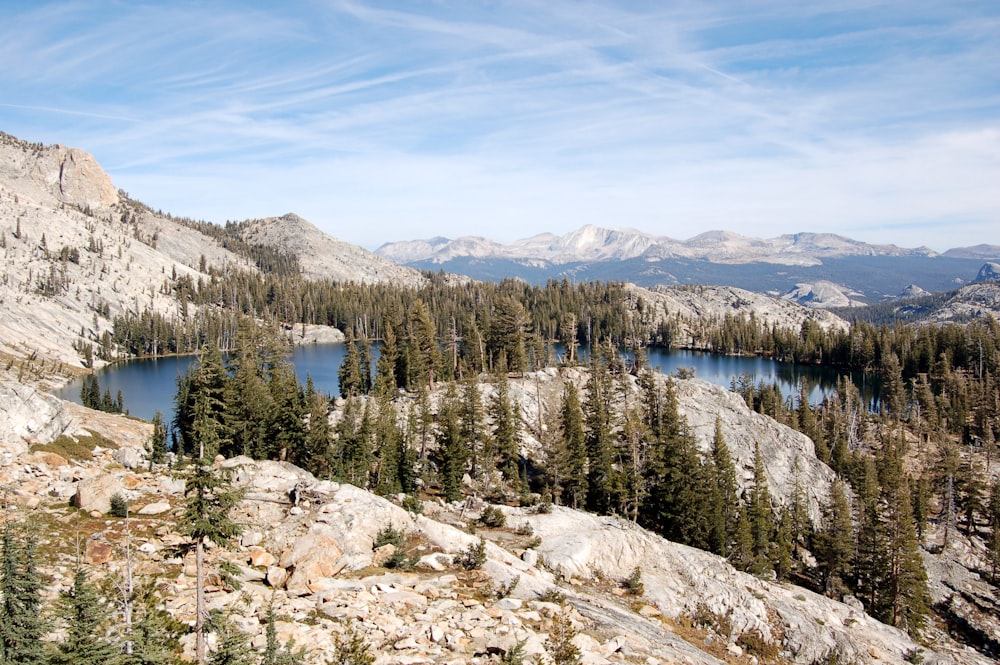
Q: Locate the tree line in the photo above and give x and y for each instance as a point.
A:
(405, 427)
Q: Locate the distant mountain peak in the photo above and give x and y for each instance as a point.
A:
(990, 272)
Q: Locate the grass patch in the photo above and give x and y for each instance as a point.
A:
(80, 448)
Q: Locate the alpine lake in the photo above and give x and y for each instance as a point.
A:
(149, 385)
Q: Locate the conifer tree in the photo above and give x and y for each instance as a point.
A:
(506, 337)
(349, 375)
(155, 634)
(760, 514)
(993, 541)
(906, 597)
(570, 463)
(723, 495)
(393, 467)
(598, 426)
(679, 498)
(472, 423)
(901, 598)
(86, 620)
(21, 622)
(209, 499)
(249, 405)
(869, 561)
(834, 543)
(422, 354)
(741, 553)
(506, 430)
(158, 441)
(385, 366)
(451, 451)
(286, 425)
(315, 454)
(232, 645)
(274, 652)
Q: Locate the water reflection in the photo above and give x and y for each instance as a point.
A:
(149, 386)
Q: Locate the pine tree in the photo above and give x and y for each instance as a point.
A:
(869, 553)
(155, 634)
(232, 645)
(249, 404)
(315, 455)
(286, 425)
(21, 622)
(834, 544)
(86, 621)
(506, 430)
(422, 354)
(451, 451)
(385, 366)
(274, 652)
(209, 499)
(505, 340)
(993, 542)
(760, 514)
(571, 452)
(598, 426)
(741, 553)
(679, 498)
(158, 441)
(725, 501)
(901, 597)
(349, 375)
(472, 424)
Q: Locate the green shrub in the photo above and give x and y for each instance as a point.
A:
(560, 642)
(473, 557)
(401, 561)
(633, 583)
(388, 536)
(552, 595)
(413, 504)
(119, 506)
(493, 518)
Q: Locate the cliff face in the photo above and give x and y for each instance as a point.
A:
(55, 174)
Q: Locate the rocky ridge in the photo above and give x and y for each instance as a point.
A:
(324, 257)
(594, 243)
(716, 302)
(77, 253)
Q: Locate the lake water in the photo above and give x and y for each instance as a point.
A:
(148, 386)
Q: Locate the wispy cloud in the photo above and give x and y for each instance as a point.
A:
(382, 120)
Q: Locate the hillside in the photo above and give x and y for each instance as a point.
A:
(315, 563)
(77, 253)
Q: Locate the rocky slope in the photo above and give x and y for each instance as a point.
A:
(716, 302)
(823, 294)
(324, 257)
(316, 562)
(77, 253)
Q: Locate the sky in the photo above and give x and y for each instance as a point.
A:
(385, 121)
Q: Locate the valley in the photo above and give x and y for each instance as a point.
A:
(464, 495)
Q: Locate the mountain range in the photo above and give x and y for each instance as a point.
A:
(815, 269)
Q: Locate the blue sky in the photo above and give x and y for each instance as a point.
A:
(385, 121)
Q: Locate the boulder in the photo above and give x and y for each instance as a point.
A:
(156, 508)
(94, 493)
(28, 416)
(130, 458)
(313, 557)
(97, 551)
